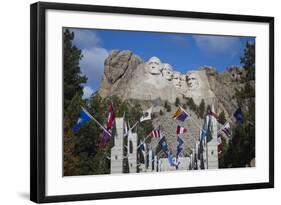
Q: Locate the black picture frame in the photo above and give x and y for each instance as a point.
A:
(38, 100)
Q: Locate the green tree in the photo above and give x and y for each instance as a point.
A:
(201, 109)
(73, 92)
(191, 104)
(241, 148)
(221, 118)
(73, 77)
(248, 60)
(167, 106)
(177, 102)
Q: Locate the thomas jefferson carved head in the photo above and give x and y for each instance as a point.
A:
(167, 71)
(177, 79)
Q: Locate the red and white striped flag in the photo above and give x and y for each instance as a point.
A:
(156, 133)
(181, 130)
(226, 129)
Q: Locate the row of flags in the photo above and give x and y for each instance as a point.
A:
(164, 146)
(156, 133)
(180, 115)
(85, 116)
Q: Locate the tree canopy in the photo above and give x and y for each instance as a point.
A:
(241, 148)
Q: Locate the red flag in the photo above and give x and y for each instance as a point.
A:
(220, 144)
(181, 130)
(214, 114)
(110, 118)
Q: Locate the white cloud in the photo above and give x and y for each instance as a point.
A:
(87, 92)
(85, 38)
(216, 44)
(92, 65)
(94, 55)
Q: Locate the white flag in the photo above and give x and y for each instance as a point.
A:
(126, 130)
(146, 115)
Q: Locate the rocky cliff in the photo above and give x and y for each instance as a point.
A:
(127, 76)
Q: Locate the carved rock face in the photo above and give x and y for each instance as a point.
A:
(183, 78)
(193, 81)
(167, 72)
(177, 80)
(154, 66)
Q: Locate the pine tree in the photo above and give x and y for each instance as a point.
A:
(73, 77)
(167, 106)
(201, 110)
(241, 147)
(177, 102)
(248, 60)
(222, 118)
(72, 102)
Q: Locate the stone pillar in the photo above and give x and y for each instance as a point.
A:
(205, 157)
(116, 165)
(213, 144)
(155, 163)
(197, 155)
(191, 161)
(132, 151)
(160, 165)
(150, 162)
(193, 158)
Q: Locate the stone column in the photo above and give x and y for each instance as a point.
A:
(132, 151)
(213, 144)
(150, 161)
(116, 165)
(155, 163)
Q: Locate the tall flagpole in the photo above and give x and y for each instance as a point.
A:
(193, 120)
(134, 125)
(201, 129)
(95, 120)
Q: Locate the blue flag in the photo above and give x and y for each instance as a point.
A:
(209, 136)
(170, 159)
(239, 115)
(164, 145)
(83, 118)
(142, 146)
(205, 132)
(180, 115)
(179, 146)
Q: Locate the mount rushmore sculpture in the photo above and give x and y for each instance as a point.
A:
(129, 77)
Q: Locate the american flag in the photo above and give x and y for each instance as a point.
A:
(156, 133)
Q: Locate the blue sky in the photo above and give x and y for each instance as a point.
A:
(183, 51)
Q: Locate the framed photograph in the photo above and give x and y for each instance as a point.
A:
(129, 102)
